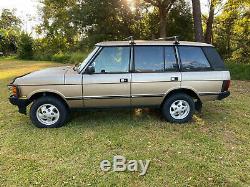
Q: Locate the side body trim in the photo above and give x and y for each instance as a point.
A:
(208, 93)
(114, 96)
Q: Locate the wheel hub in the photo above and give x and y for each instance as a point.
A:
(48, 114)
(179, 109)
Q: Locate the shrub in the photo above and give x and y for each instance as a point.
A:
(61, 57)
(77, 57)
(25, 46)
(239, 71)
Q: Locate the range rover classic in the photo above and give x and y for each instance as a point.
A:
(176, 77)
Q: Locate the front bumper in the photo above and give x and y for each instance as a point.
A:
(223, 95)
(21, 103)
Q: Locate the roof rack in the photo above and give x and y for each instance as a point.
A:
(131, 40)
(175, 38)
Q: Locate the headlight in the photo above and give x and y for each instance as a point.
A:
(13, 90)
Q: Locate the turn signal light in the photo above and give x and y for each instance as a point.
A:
(13, 90)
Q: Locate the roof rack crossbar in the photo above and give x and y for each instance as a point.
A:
(175, 38)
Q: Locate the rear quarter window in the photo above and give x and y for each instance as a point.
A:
(193, 59)
(214, 58)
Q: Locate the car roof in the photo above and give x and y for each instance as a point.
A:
(153, 43)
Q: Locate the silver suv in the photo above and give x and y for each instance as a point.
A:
(176, 77)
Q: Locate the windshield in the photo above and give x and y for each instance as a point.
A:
(83, 64)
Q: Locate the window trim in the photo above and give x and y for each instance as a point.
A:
(90, 61)
(177, 69)
(96, 55)
(197, 69)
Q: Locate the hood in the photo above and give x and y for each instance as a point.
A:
(43, 77)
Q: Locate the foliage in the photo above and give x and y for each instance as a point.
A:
(180, 17)
(8, 41)
(77, 57)
(239, 71)
(232, 31)
(10, 27)
(8, 20)
(79, 25)
(25, 46)
(60, 57)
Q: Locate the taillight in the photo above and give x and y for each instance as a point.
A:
(225, 85)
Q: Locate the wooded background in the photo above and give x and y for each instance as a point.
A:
(70, 28)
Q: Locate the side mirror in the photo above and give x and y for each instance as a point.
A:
(90, 70)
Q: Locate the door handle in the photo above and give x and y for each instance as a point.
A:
(124, 80)
(174, 78)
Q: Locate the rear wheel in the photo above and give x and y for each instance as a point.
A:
(48, 112)
(178, 108)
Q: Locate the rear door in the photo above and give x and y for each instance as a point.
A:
(109, 86)
(155, 72)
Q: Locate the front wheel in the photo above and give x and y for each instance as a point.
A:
(178, 108)
(48, 112)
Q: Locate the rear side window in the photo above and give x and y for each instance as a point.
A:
(214, 58)
(193, 59)
(149, 59)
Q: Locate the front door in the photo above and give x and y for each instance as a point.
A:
(155, 73)
(109, 86)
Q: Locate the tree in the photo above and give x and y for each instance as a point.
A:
(213, 5)
(8, 20)
(163, 8)
(180, 17)
(232, 31)
(10, 28)
(197, 20)
(25, 46)
(58, 24)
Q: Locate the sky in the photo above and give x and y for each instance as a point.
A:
(26, 9)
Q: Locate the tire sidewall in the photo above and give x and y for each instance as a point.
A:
(48, 100)
(169, 101)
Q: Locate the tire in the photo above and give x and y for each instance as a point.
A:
(48, 112)
(178, 108)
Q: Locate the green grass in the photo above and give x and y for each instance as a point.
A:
(212, 150)
(239, 71)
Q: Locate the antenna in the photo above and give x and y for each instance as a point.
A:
(130, 39)
(175, 38)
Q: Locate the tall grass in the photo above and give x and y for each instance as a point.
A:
(239, 71)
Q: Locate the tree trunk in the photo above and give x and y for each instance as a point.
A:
(197, 20)
(210, 21)
(163, 21)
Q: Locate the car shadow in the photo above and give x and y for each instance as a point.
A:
(106, 116)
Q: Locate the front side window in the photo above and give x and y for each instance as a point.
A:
(193, 59)
(83, 64)
(112, 60)
(149, 59)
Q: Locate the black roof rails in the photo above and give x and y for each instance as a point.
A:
(175, 38)
(131, 40)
